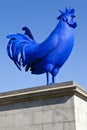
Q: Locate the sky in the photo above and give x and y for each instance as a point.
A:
(40, 16)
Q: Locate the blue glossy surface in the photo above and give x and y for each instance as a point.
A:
(48, 56)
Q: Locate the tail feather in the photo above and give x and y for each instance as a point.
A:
(23, 55)
(9, 50)
(28, 32)
(13, 50)
(19, 49)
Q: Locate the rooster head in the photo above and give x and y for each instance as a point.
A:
(68, 16)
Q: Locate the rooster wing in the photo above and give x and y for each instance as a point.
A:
(25, 51)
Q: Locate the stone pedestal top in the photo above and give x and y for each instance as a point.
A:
(41, 92)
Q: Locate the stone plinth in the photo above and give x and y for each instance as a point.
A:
(61, 106)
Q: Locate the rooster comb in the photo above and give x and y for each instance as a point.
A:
(67, 11)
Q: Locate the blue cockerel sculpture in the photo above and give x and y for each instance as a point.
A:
(49, 56)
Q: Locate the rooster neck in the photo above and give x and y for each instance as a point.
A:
(62, 29)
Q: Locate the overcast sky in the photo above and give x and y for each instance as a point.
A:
(40, 16)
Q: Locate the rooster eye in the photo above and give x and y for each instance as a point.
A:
(73, 16)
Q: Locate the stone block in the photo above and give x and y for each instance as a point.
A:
(84, 106)
(69, 126)
(78, 102)
(23, 118)
(34, 127)
(7, 121)
(53, 126)
(26, 127)
(42, 117)
(62, 115)
(2, 128)
(68, 101)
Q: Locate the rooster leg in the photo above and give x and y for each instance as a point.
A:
(53, 79)
(47, 76)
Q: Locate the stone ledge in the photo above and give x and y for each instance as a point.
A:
(42, 92)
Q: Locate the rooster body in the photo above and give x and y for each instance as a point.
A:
(51, 54)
